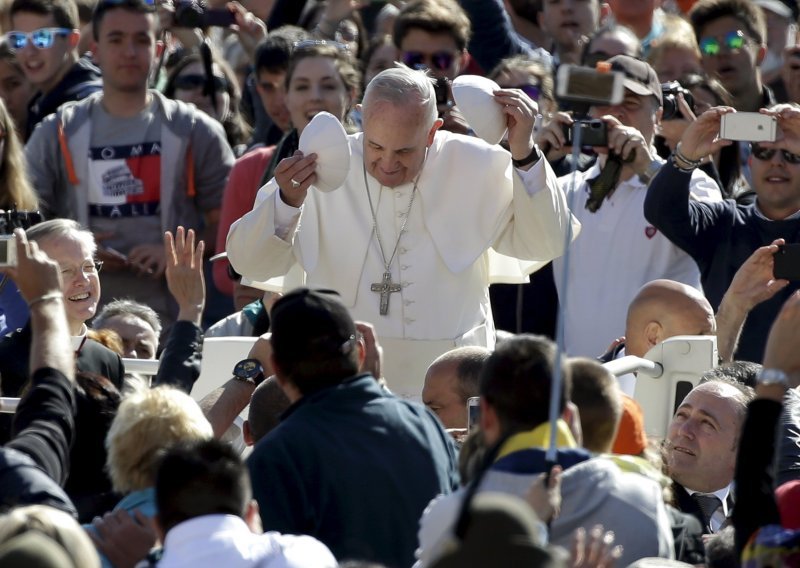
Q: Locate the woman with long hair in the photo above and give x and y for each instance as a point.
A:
(322, 76)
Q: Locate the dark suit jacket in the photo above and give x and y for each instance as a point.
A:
(685, 503)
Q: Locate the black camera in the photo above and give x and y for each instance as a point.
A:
(669, 95)
(441, 86)
(192, 14)
(594, 132)
(13, 219)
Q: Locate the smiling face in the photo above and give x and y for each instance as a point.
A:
(80, 281)
(44, 67)
(316, 86)
(396, 140)
(702, 438)
(777, 185)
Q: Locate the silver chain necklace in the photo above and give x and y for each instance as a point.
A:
(385, 287)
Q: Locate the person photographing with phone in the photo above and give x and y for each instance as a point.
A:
(607, 199)
(721, 236)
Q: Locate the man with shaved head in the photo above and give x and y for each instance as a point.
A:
(701, 447)
(450, 382)
(664, 309)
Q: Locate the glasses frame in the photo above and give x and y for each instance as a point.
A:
(728, 40)
(47, 39)
(768, 153)
(70, 273)
(220, 83)
(440, 60)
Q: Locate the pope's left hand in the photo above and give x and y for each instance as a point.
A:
(520, 112)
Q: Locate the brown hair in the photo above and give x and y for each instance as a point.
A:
(435, 17)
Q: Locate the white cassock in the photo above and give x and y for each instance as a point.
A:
(469, 201)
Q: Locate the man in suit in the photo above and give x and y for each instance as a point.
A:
(701, 448)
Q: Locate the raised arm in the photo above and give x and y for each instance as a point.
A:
(752, 284)
(180, 360)
(44, 424)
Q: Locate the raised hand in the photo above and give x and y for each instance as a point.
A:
(295, 175)
(701, 138)
(184, 272)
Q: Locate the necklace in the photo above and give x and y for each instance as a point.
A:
(386, 287)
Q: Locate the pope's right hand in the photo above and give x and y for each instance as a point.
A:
(294, 176)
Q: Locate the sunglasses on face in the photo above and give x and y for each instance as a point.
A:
(766, 154)
(190, 82)
(732, 41)
(533, 91)
(43, 38)
(441, 60)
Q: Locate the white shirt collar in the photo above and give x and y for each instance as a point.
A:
(721, 494)
(77, 340)
(760, 214)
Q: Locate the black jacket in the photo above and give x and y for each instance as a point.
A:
(81, 80)
(36, 461)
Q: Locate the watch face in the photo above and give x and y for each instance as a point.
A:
(247, 369)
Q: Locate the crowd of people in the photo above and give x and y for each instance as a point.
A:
(427, 384)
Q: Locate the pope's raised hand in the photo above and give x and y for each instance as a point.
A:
(294, 176)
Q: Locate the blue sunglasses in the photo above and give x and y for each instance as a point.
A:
(43, 38)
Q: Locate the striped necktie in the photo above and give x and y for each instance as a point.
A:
(708, 505)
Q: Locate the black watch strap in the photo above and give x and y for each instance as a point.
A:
(531, 158)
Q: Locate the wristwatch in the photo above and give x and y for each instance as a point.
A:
(249, 371)
(772, 377)
(531, 158)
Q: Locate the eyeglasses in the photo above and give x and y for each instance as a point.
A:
(765, 154)
(732, 41)
(87, 268)
(306, 43)
(441, 60)
(190, 82)
(533, 91)
(43, 38)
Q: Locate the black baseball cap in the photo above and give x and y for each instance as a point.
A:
(311, 324)
(640, 78)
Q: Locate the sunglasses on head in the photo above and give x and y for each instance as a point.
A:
(441, 60)
(306, 43)
(43, 38)
(189, 82)
(732, 41)
(761, 153)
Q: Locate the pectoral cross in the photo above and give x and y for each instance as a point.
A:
(385, 287)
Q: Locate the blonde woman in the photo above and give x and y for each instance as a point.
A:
(148, 422)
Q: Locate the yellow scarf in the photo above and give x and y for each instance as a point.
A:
(539, 437)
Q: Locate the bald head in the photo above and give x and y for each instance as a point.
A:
(450, 381)
(664, 309)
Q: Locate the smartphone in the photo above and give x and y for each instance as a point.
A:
(584, 84)
(473, 412)
(748, 127)
(220, 18)
(8, 251)
(593, 132)
(787, 262)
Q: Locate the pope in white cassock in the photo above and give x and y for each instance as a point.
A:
(406, 239)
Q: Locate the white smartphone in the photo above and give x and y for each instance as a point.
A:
(8, 250)
(585, 84)
(748, 127)
(473, 412)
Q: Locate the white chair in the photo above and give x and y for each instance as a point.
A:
(665, 376)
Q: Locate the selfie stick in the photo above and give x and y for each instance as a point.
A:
(555, 389)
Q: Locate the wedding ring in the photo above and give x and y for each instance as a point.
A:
(295, 183)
